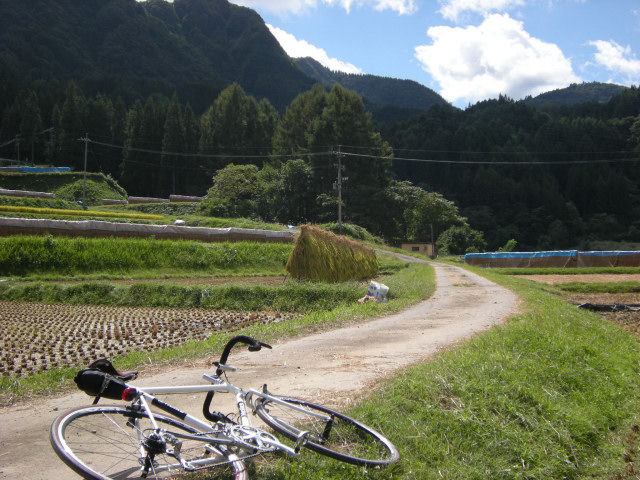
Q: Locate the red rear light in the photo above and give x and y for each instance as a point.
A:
(129, 394)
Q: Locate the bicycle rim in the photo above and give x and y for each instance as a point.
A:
(339, 437)
(102, 443)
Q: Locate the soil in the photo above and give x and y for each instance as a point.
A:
(333, 367)
(587, 277)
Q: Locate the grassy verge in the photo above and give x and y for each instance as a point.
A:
(563, 271)
(408, 286)
(599, 287)
(32, 255)
(76, 213)
(293, 296)
(550, 394)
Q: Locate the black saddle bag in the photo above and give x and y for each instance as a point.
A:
(99, 384)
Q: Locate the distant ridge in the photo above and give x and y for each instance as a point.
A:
(575, 94)
(134, 49)
(379, 91)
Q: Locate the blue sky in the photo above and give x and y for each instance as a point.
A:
(466, 50)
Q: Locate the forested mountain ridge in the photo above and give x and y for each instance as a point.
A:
(133, 49)
(563, 178)
(380, 91)
(576, 93)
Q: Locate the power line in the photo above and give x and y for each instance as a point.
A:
(206, 155)
(476, 152)
(492, 162)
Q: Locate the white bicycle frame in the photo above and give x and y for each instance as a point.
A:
(145, 397)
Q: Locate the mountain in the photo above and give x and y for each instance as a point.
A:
(379, 91)
(129, 48)
(575, 94)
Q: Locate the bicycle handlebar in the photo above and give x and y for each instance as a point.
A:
(254, 346)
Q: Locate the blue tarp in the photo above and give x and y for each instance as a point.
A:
(37, 169)
(553, 253)
(611, 253)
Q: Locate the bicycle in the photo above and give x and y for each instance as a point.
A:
(109, 442)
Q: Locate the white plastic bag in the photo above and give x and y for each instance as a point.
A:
(378, 291)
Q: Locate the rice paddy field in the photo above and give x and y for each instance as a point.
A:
(38, 337)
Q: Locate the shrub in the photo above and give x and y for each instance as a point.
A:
(322, 256)
(459, 240)
(94, 192)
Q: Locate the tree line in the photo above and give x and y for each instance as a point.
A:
(555, 178)
(261, 164)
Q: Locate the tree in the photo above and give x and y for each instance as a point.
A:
(459, 240)
(315, 121)
(31, 123)
(173, 141)
(234, 192)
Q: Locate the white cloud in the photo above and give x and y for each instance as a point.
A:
(618, 59)
(498, 56)
(451, 9)
(402, 7)
(300, 48)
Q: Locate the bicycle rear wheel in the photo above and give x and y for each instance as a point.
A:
(103, 442)
(335, 435)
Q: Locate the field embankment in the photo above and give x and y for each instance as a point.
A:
(33, 256)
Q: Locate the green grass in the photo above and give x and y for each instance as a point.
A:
(550, 394)
(563, 271)
(50, 182)
(292, 296)
(39, 203)
(408, 286)
(31, 255)
(353, 231)
(599, 287)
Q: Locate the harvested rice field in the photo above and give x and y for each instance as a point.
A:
(37, 337)
(588, 277)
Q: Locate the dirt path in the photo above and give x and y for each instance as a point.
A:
(333, 366)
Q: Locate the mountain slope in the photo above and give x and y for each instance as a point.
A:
(576, 94)
(380, 91)
(128, 47)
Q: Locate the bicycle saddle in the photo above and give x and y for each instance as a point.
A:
(106, 366)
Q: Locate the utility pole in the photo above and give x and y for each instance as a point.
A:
(338, 186)
(84, 174)
(18, 145)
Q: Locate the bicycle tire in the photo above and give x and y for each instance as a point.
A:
(102, 443)
(346, 439)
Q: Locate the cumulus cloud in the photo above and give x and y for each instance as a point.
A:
(451, 9)
(495, 57)
(616, 58)
(402, 7)
(300, 48)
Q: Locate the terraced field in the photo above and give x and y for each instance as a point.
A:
(37, 337)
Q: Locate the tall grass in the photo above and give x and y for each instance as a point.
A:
(322, 256)
(25, 255)
(292, 296)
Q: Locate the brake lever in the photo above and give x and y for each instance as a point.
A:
(258, 347)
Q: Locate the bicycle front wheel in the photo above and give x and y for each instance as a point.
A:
(104, 442)
(330, 433)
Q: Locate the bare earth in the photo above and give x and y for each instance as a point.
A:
(332, 367)
(587, 277)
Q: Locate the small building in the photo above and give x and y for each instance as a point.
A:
(422, 248)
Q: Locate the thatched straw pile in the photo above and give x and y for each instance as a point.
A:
(323, 256)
